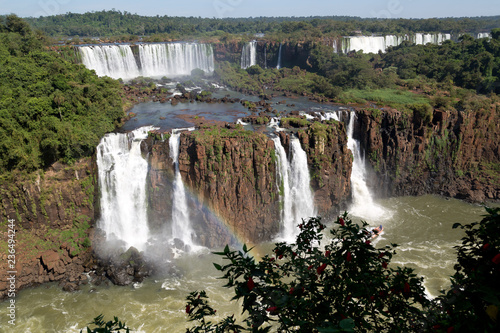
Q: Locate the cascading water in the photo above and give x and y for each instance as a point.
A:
(122, 180)
(294, 184)
(374, 44)
(363, 205)
(181, 225)
(279, 58)
(154, 60)
(249, 55)
(115, 61)
(175, 59)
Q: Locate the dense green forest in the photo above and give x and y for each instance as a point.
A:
(448, 75)
(115, 23)
(50, 109)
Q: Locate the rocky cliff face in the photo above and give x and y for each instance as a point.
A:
(452, 153)
(292, 53)
(232, 175)
(52, 213)
(330, 164)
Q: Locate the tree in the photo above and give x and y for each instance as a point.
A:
(346, 285)
(472, 302)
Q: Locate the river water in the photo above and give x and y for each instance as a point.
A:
(422, 226)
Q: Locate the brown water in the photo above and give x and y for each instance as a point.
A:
(421, 225)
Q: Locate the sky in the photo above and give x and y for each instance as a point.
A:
(255, 8)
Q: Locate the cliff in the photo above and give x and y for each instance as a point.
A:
(231, 174)
(451, 153)
(52, 212)
(330, 164)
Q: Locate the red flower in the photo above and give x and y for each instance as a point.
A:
(368, 242)
(436, 327)
(384, 264)
(310, 267)
(450, 329)
(280, 256)
(188, 309)
(381, 254)
(486, 246)
(496, 259)
(407, 288)
(327, 253)
(349, 256)
(372, 298)
(250, 284)
(294, 254)
(272, 309)
(320, 269)
(341, 221)
(291, 291)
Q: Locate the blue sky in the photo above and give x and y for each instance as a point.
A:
(247, 8)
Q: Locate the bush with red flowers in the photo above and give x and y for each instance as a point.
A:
(344, 285)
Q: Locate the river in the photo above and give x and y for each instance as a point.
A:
(422, 226)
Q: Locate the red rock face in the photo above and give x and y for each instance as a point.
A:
(455, 154)
(234, 176)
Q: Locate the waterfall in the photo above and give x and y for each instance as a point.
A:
(122, 181)
(181, 225)
(294, 184)
(153, 60)
(363, 205)
(175, 59)
(249, 55)
(279, 57)
(374, 44)
(423, 39)
(116, 61)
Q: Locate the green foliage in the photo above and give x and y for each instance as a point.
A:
(471, 64)
(472, 303)
(50, 109)
(294, 122)
(385, 96)
(422, 112)
(344, 286)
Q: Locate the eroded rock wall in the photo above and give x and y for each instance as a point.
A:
(231, 177)
(451, 153)
(53, 212)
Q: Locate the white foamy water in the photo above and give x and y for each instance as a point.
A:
(249, 55)
(122, 180)
(153, 60)
(363, 205)
(181, 224)
(295, 190)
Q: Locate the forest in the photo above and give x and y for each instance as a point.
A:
(50, 109)
(117, 23)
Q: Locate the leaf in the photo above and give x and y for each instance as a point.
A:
(347, 325)
(226, 249)
(217, 267)
(245, 248)
(456, 225)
